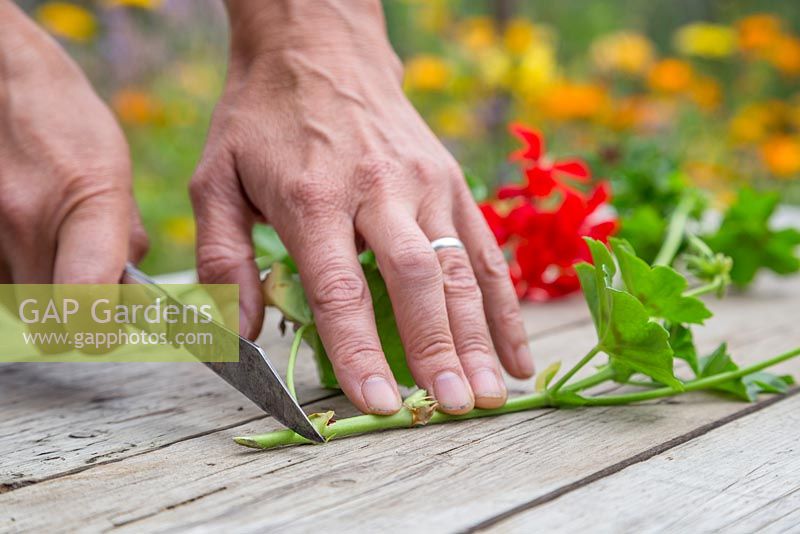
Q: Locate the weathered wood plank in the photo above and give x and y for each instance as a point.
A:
(743, 477)
(447, 477)
(58, 418)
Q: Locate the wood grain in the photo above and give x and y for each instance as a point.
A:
(449, 478)
(743, 477)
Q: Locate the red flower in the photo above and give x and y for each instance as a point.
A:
(543, 174)
(544, 242)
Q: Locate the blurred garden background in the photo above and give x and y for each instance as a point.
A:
(704, 92)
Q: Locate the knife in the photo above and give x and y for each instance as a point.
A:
(253, 375)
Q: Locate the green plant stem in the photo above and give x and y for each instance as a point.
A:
(298, 337)
(605, 374)
(675, 231)
(405, 419)
(693, 385)
(710, 287)
(575, 368)
(402, 419)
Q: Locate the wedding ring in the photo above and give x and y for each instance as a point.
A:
(447, 242)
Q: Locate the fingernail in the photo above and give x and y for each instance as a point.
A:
(379, 395)
(451, 392)
(525, 360)
(485, 384)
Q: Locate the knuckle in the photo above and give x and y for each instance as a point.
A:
(432, 347)
(459, 280)
(492, 264)
(311, 195)
(413, 258)
(217, 263)
(474, 342)
(356, 355)
(339, 290)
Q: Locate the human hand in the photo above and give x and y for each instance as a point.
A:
(315, 136)
(67, 213)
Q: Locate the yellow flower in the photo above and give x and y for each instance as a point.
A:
(705, 40)
(706, 93)
(781, 155)
(570, 101)
(137, 107)
(670, 76)
(180, 230)
(785, 55)
(755, 122)
(519, 35)
(494, 67)
(432, 15)
(759, 32)
(477, 33)
(454, 120)
(426, 73)
(627, 52)
(536, 71)
(142, 4)
(67, 20)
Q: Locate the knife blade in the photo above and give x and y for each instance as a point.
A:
(253, 375)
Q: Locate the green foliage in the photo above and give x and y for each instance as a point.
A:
(746, 388)
(624, 329)
(660, 288)
(682, 342)
(745, 236)
(644, 227)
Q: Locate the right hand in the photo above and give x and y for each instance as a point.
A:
(67, 213)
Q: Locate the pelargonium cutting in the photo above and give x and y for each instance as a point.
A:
(643, 313)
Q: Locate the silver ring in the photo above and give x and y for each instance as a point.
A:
(447, 242)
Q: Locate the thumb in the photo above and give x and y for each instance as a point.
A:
(224, 237)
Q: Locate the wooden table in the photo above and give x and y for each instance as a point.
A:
(147, 447)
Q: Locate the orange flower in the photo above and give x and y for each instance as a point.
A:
(758, 33)
(706, 93)
(785, 55)
(781, 155)
(570, 101)
(670, 76)
(756, 121)
(137, 107)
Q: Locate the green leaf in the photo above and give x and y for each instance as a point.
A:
(282, 289)
(624, 329)
(327, 377)
(745, 235)
(387, 325)
(660, 288)
(746, 388)
(476, 186)
(645, 228)
(268, 246)
(544, 378)
(682, 343)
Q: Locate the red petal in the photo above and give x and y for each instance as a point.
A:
(599, 195)
(540, 182)
(603, 230)
(496, 223)
(512, 191)
(534, 143)
(573, 167)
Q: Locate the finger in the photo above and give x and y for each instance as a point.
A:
(414, 280)
(467, 318)
(340, 300)
(92, 240)
(224, 246)
(138, 243)
(499, 298)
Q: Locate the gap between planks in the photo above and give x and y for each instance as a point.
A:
(6, 487)
(635, 459)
